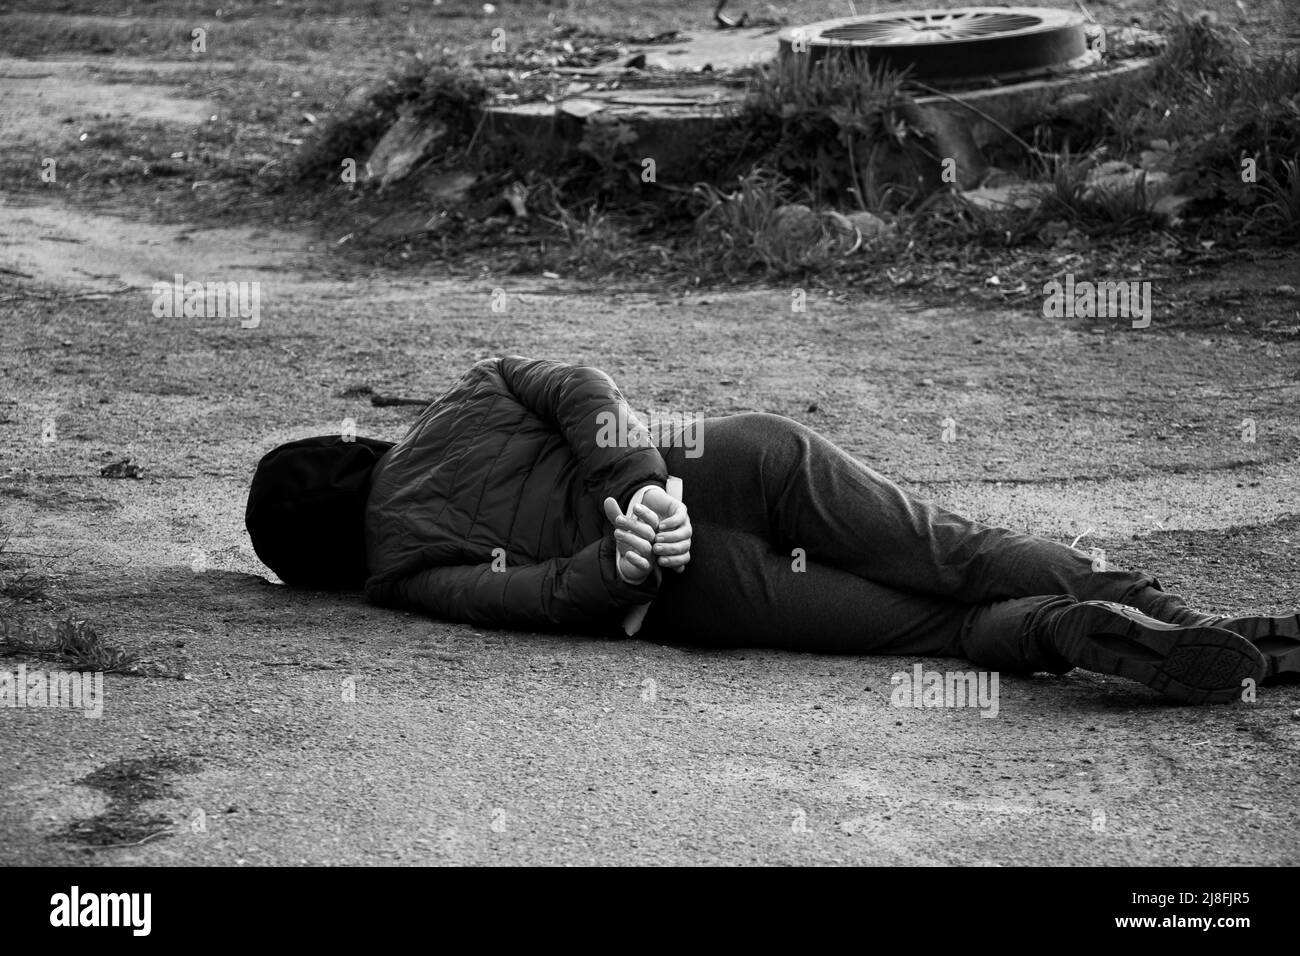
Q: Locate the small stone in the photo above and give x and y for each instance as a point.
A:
(795, 223)
(406, 144)
(1073, 102)
(869, 225)
(449, 188)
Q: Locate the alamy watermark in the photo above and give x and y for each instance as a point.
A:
(211, 300)
(625, 429)
(75, 908)
(923, 688)
(73, 690)
(1098, 300)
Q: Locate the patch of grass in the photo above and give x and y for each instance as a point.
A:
(1230, 121)
(761, 225)
(20, 580)
(595, 242)
(833, 126)
(33, 35)
(447, 91)
(608, 148)
(76, 644)
(73, 642)
(1281, 212)
(1094, 206)
(273, 36)
(1070, 199)
(947, 224)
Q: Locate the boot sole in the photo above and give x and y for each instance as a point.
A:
(1190, 664)
(1278, 639)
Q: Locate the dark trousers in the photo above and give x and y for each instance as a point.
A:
(798, 545)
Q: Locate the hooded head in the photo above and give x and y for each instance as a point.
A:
(306, 510)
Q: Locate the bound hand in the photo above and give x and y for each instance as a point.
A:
(634, 537)
(672, 541)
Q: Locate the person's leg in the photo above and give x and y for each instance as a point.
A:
(776, 478)
(803, 497)
(1190, 663)
(739, 592)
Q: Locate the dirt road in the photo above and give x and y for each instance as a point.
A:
(313, 728)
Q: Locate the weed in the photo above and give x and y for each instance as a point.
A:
(762, 225)
(608, 145)
(1230, 120)
(595, 242)
(20, 580)
(446, 91)
(826, 124)
(1094, 205)
(80, 646)
(1282, 210)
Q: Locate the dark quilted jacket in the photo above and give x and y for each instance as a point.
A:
(508, 459)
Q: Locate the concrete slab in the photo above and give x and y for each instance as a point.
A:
(988, 113)
(714, 50)
(670, 121)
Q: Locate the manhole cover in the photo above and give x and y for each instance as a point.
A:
(963, 43)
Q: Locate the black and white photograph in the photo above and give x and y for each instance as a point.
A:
(602, 433)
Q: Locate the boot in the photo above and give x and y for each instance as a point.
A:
(1278, 638)
(1193, 663)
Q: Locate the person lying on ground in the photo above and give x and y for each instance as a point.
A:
(510, 504)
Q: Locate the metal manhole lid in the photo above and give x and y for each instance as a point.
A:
(965, 42)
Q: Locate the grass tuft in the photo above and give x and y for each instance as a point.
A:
(446, 90)
(78, 645)
(20, 580)
(763, 225)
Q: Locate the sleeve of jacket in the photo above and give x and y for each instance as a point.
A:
(573, 592)
(588, 409)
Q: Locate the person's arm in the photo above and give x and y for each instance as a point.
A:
(571, 592)
(588, 409)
